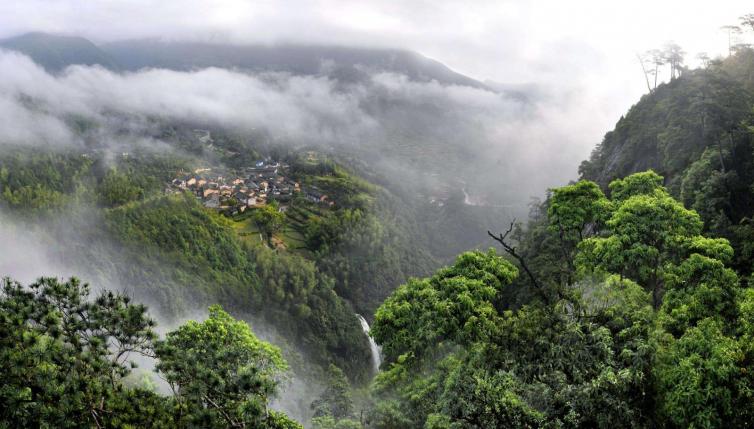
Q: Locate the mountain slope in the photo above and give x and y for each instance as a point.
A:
(697, 132)
(348, 64)
(345, 63)
(55, 53)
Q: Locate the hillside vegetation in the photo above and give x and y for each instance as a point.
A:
(696, 131)
(625, 301)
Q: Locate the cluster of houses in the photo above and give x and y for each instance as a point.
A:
(235, 192)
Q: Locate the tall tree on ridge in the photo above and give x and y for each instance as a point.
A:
(731, 30)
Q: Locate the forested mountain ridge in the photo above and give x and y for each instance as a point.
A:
(166, 249)
(617, 304)
(626, 300)
(696, 131)
(343, 62)
(175, 253)
(58, 52)
(55, 52)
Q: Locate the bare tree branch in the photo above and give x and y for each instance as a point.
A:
(500, 238)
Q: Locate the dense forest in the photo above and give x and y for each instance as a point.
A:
(625, 300)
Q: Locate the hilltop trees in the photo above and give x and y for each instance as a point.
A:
(64, 359)
(674, 55)
(671, 55)
(732, 31)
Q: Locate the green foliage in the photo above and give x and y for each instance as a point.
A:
(596, 354)
(456, 304)
(574, 207)
(696, 131)
(269, 219)
(220, 371)
(43, 182)
(646, 231)
(40, 182)
(179, 224)
(336, 400)
(698, 289)
(645, 183)
(117, 188)
(367, 241)
(302, 301)
(699, 379)
(284, 288)
(64, 359)
(456, 358)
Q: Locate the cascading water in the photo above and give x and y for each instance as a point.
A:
(376, 352)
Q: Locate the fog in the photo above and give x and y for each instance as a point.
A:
(584, 46)
(508, 143)
(559, 75)
(64, 249)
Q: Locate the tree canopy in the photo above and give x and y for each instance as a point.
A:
(65, 359)
(645, 330)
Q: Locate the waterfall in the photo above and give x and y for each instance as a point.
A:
(376, 353)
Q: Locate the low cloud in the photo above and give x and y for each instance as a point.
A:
(504, 145)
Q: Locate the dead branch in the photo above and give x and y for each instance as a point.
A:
(511, 250)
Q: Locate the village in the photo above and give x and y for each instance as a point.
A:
(233, 192)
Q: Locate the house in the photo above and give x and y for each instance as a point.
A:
(315, 196)
(240, 197)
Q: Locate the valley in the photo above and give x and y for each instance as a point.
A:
(199, 233)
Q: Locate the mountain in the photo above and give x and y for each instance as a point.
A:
(631, 294)
(344, 62)
(695, 131)
(55, 53)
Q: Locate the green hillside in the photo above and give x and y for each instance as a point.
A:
(696, 132)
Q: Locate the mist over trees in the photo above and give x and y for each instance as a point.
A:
(625, 298)
(66, 359)
(642, 312)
